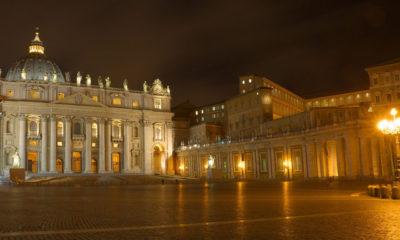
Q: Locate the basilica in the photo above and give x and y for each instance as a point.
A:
(63, 123)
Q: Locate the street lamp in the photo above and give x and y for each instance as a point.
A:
(241, 165)
(392, 128)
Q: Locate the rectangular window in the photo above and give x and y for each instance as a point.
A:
(389, 97)
(95, 98)
(34, 94)
(263, 162)
(279, 160)
(60, 128)
(93, 144)
(397, 77)
(59, 144)
(10, 93)
(377, 99)
(32, 143)
(60, 96)
(157, 103)
(117, 101)
(297, 160)
(135, 103)
(158, 133)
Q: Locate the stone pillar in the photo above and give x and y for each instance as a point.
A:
(170, 146)
(127, 142)
(43, 159)
(67, 149)
(102, 146)
(53, 146)
(272, 157)
(308, 160)
(22, 139)
(108, 144)
(147, 146)
(349, 159)
(320, 160)
(88, 145)
(304, 159)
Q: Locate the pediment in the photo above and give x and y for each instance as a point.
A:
(79, 99)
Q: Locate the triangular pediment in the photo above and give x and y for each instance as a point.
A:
(79, 99)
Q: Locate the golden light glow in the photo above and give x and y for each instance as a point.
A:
(285, 163)
(390, 127)
(181, 167)
(60, 96)
(36, 49)
(32, 143)
(117, 101)
(206, 166)
(241, 164)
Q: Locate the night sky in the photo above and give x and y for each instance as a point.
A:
(200, 48)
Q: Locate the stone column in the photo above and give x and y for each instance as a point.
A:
(108, 143)
(43, 159)
(127, 142)
(304, 159)
(67, 158)
(88, 145)
(53, 146)
(320, 160)
(273, 162)
(102, 147)
(22, 139)
(170, 146)
(147, 146)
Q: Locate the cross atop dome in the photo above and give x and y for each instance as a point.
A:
(36, 44)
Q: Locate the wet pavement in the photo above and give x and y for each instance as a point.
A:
(235, 210)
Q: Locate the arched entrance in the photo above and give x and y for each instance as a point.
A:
(158, 159)
(115, 162)
(59, 165)
(94, 165)
(76, 162)
(32, 162)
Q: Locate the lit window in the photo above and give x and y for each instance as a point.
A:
(10, 93)
(197, 113)
(158, 133)
(258, 93)
(60, 128)
(117, 101)
(94, 130)
(213, 108)
(135, 103)
(93, 144)
(202, 118)
(202, 111)
(59, 144)
(95, 98)
(34, 94)
(60, 95)
(244, 91)
(243, 82)
(213, 115)
(115, 145)
(249, 80)
(222, 106)
(157, 103)
(32, 143)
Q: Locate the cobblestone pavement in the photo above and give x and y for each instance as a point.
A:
(242, 210)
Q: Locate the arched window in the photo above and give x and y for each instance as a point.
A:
(8, 126)
(116, 131)
(33, 128)
(60, 128)
(77, 128)
(94, 130)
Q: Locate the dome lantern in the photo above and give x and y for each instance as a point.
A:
(36, 44)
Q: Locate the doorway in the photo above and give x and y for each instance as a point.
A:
(116, 162)
(76, 162)
(32, 162)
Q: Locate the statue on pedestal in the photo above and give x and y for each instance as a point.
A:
(16, 160)
(108, 82)
(78, 78)
(100, 82)
(145, 87)
(126, 84)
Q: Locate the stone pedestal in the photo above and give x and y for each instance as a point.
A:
(17, 174)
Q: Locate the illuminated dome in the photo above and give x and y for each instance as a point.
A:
(35, 66)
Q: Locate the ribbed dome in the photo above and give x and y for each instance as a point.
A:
(35, 66)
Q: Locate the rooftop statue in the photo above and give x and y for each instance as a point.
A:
(100, 82)
(67, 77)
(108, 82)
(88, 80)
(145, 87)
(78, 78)
(126, 84)
(54, 77)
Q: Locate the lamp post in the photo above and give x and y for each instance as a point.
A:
(286, 169)
(241, 165)
(392, 127)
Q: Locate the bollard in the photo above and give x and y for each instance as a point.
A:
(377, 191)
(371, 190)
(395, 192)
(384, 191)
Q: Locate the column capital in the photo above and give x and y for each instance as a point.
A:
(44, 116)
(102, 120)
(145, 123)
(22, 116)
(169, 124)
(53, 117)
(87, 119)
(67, 118)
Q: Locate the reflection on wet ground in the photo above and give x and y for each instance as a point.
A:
(237, 210)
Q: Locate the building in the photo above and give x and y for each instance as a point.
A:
(273, 133)
(60, 126)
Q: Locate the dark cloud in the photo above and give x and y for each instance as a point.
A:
(201, 47)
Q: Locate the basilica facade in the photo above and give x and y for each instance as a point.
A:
(64, 124)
